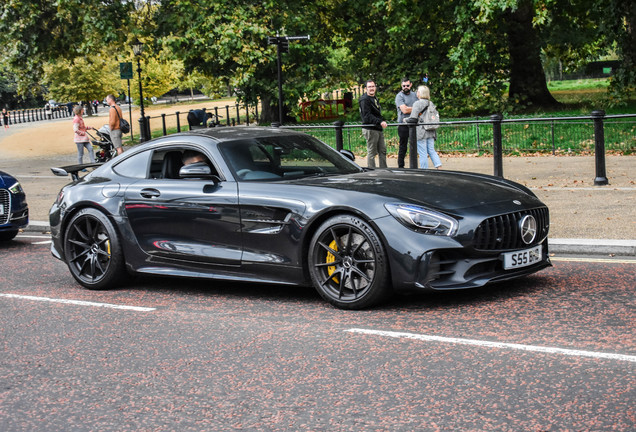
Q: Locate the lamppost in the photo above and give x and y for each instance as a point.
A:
(138, 48)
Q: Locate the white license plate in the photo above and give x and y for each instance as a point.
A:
(523, 258)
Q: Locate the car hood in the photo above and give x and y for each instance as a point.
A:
(6, 180)
(448, 191)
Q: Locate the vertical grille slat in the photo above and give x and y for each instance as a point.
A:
(5, 200)
(502, 232)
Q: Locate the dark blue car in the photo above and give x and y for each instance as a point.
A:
(14, 211)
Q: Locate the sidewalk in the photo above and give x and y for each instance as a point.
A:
(585, 219)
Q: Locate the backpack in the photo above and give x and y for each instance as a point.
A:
(430, 115)
(124, 126)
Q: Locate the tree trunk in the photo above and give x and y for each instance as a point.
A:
(269, 111)
(527, 77)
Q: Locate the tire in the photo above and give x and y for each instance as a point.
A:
(347, 263)
(8, 235)
(92, 250)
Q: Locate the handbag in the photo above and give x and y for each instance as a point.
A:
(124, 126)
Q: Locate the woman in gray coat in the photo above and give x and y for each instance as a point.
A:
(425, 138)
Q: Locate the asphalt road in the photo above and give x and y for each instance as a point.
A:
(552, 352)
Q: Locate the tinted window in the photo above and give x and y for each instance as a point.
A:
(135, 166)
(283, 157)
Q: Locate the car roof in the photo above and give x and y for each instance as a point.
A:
(223, 133)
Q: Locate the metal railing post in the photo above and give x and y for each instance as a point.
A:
(227, 114)
(339, 141)
(497, 147)
(163, 123)
(599, 148)
(412, 123)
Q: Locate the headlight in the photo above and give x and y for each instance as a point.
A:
(423, 220)
(16, 189)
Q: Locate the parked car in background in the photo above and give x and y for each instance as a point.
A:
(14, 211)
(271, 205)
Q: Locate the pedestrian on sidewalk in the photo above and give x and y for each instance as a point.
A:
(114, 117)
(404, 101)
(373, 126)
(81, 138)
(5, 118)
(425, 138)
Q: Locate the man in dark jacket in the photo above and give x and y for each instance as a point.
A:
(373, 126)
(198, 117)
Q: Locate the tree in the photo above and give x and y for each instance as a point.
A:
(83, 79)
(36, 32)
(228, 40)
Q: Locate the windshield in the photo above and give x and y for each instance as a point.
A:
(284, 157)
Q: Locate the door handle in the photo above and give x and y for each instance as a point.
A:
(150, 193)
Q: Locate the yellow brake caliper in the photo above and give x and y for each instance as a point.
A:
(331, 258)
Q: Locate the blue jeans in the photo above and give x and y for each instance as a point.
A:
(80, 152)
(425, 148)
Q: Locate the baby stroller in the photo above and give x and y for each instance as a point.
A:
(106, 148)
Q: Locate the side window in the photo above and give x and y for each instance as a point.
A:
(166, 163)
(134, 167)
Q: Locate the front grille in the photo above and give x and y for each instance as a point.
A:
(502, 232)
(5, 200)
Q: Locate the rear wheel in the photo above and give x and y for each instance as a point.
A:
(93, 251)
(347, 263)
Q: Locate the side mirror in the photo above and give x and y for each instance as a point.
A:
(348, 154)
(197, 170)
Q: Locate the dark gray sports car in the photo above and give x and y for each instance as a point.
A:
(276, 206)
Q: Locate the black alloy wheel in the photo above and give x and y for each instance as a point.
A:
(348, 264)
(92, 250)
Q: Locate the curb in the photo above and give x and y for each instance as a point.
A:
(593, 246)
(561, 246)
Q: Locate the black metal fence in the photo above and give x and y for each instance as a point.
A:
(228, 115)
(556, 135)
(559, 135)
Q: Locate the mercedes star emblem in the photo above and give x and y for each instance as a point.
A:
(528, 227)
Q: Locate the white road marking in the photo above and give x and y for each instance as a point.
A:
(594, 260)
(80, 303)
(481, 343)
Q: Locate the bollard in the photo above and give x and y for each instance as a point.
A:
(238, 115)
(142, 130)
(497, 150)
(339, 141)
(227, 114)
(412, 123)
(599, 148)
(178, 122)
(148, 134)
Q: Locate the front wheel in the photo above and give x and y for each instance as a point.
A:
(8, 235)
(347, 263)
(93, 251)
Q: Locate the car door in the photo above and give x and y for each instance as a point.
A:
(188, 220)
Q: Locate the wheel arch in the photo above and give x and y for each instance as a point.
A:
(70, 214)
(317, 221)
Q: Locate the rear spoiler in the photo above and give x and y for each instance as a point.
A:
(73, 170)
